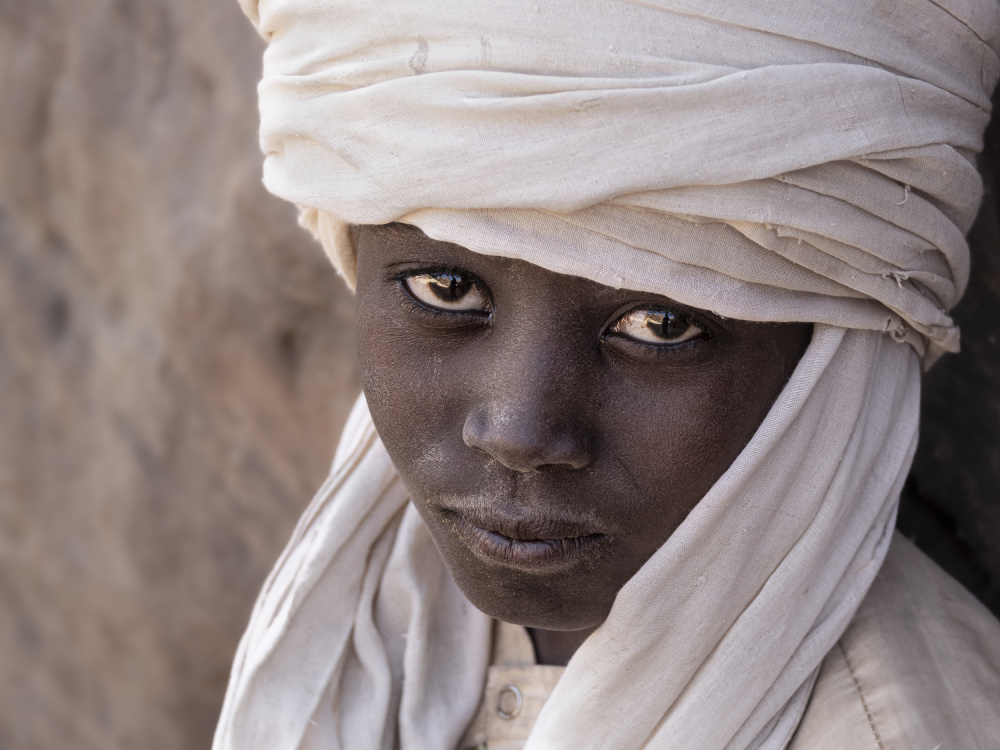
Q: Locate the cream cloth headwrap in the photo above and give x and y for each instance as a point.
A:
(765, 160)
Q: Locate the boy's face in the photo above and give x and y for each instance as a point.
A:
(551, 431)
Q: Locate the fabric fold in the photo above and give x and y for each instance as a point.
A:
(850, 128)
(762, 160)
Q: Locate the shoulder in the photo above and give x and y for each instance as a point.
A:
(919, 667)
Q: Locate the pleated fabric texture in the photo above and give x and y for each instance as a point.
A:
(830, 144)
(764, 160)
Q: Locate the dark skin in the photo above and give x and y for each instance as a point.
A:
(551, 431)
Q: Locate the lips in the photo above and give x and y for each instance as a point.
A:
(527, 544)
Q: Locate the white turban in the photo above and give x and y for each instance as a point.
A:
(765, 160)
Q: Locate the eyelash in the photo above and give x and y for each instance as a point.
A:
(659, 350)
(414, 306)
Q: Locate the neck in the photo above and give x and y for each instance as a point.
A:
(556, 647)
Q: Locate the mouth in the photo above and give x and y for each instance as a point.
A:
(526, 545)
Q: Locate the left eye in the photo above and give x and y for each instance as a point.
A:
(451, 290)
(657, 327)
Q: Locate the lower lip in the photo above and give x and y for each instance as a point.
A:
(525, 554)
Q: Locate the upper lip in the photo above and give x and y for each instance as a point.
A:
(524, 528)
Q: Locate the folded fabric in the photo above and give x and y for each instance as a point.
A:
(764, 160)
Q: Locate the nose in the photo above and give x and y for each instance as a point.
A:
(531, 420)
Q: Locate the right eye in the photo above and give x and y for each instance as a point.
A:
(657, 327)
(452, 291)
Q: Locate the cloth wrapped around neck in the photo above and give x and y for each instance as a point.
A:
(764, 160)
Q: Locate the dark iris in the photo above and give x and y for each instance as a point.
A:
(666, 325)
(449, 287)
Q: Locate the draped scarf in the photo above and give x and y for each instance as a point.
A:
(763, 160)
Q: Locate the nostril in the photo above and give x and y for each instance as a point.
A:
(474, 429)
(523, 442)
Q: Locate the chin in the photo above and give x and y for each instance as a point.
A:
(570, 600)
(559, 623)
(529, 572)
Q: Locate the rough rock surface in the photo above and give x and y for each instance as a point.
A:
(175, 364)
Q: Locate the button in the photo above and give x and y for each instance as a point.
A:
(509, 702)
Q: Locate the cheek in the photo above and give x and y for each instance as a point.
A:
(676, 437)
(416, 398)
(663, 445)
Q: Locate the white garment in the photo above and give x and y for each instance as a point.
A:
(730, 619)
(516, 690)
(830, 143)
(764, 160)
(919, 667)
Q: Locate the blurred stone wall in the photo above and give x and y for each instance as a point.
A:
(175, 365)
(176, 362)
